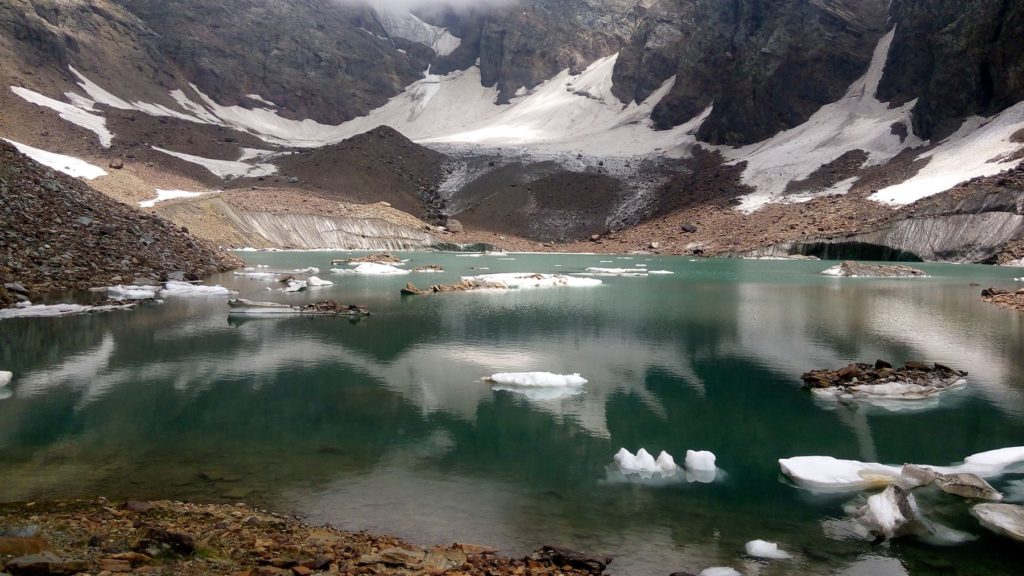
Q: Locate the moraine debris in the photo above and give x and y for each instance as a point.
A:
(851, 269)
(921, 377)
(1004, 298)
(378, 258)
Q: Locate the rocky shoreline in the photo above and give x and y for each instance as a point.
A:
(100, 537)
(1004, 298)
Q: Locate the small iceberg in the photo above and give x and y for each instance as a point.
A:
(186, 289)
(315, 282)
(536, 379)
(371, 269)
(520, 280)
(888, 513)
(54, 310)
(310, 270)
(5, 378)
(296, 286)
(831, 475)
(623, 272)
(255, 275)
(132, 292)
(644, 464)
(700, 466)
(766, 550)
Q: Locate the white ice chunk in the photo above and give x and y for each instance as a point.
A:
(78, 112)
(132, 292)
(884, 514)
(296, 286)
(719, 571)
(660, 272)
(768, 550)
(5, 378)
(666, 463)
(627, 272)
(310, 270)
(700, 460)
(314, 282)
(185, 289)
(162, 195)
(371, 269)
(537, 379)
(67, 164)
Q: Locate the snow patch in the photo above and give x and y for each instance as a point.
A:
(981, 147)
(78, 112)
(404, 24)
(163, 195)
(858, 121)
(224, 168)
(67, 164)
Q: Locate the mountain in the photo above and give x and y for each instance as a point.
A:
(782, 123)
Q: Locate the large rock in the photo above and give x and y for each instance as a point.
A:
(851, 269)
(1005, 519)
(44, 564)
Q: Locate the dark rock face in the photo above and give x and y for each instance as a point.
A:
(316, 58)
(60, 234)
(531, 41)
(959, 58)
(766, 66)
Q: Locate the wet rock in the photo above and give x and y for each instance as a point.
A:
(46, 563)
(411, 290)
(1004, 519)
(967, 485)
(916, 365)
(564, 557)
(915, 476)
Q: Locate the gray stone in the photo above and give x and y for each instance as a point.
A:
(1004, 519)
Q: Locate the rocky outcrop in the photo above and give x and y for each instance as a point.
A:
(922, 374)
(766, 66)
(972, 223)
(58, 233)
(958, 58)
(1004, 298)
(315, 59)
(528, 42)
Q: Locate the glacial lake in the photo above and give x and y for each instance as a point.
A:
(385, 424)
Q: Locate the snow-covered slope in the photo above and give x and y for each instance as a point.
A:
(67, 164)
(406, 25)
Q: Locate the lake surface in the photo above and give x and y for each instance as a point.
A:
(384, 424)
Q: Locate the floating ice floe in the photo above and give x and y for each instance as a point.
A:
(537, 379)
(1004, 519)
(185, 289)
(827, 474)
(132, 292)
(700, 466)
(519, 280)
(249, 273)
(310, 270)
(296, 286)
(315, 282)
(53, 310)
(371, 269)
(5, 378)
(766, 550)
(891, 396)
(67, 164)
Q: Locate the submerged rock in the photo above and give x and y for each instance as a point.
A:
(851, 269)
(575, 560)
(1004, 519)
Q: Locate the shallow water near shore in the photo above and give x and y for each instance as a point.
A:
(384, 424)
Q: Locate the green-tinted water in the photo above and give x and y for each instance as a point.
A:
(385, 424)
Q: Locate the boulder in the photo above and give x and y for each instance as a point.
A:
(967, 485)
(689, 228)
(46, 563)
(1003, 519)
(454, 226)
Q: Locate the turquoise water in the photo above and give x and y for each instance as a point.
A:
(384, 424)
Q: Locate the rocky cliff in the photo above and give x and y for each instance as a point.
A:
(766, 66)
(58, 233)
(957, 58)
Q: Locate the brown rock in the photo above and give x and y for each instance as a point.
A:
(116, 163)
(46, 563)
(850, 372)
(10, 546)
(916, 365)
(115, 565)
(879, 364)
